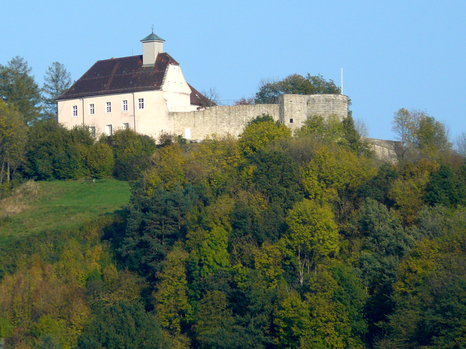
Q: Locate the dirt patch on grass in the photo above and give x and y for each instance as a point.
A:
(19, 201)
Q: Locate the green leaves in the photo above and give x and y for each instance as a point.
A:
(18, 89)
(420, 135)
(56, 81)
(123, 325)
(295, 84)
(312, 229)
(258, 135)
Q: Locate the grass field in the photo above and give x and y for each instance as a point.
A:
(60, 205)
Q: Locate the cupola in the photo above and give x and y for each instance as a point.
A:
(152, 45)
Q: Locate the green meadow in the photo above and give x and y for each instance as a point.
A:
(59, 205)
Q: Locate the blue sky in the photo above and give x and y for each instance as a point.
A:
(395, 54)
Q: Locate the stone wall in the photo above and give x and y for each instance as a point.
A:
(295, 109)
(291, 110)
(220, 120)
(384, 150)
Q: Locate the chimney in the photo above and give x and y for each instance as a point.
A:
(152, 45)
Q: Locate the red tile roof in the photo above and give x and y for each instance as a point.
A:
(125, 75)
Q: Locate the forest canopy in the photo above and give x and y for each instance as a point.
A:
(272, 240)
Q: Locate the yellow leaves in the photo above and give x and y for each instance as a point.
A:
(316, 190)
(152, 181)
(292, 320)
(76, 266)
(414, 270)
(36, 299)
(408, 191)
(209, 248)
(337, 170)
(120, 286)
(258, 135)
(268, 261)
(217, 155)
(312, 228)
(218, 213)
(169, 167)
(100, 160)
(48, 324)
(171, 296)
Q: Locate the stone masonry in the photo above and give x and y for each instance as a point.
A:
(291, 110)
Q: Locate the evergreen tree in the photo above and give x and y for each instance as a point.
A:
(56, 81)
(18, 89)
(123, 325)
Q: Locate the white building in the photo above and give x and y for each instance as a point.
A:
(136, 92)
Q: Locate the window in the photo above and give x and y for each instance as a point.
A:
(75, 110)
(92, 131)
(91, 109)
(109, 107)
(124, 106)
(125, 125)
(291, 121)
(141, 103)
(108, 130)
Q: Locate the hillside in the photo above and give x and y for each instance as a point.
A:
(273, 240)
(59, 205)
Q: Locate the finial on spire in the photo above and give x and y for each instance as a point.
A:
(152, 28)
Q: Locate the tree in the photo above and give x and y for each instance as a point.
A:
(460, 144)
(123, 325)
(13, 134)
(53, 152)
(131, 151)
(420, 135)
(56, 81)
(245, 101)
(215, 325)
(100, 160)
(260, 132)
(154, 225)
(211, 98)
(294, 84)
(333, 130)
(171, 300)
(312, 235)
(429, 294)
(445, 188)
(328, 315)
(18, 89)
(384, 246)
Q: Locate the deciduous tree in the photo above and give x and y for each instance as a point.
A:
(260, 132)
(420, 136)
(312, 235)
(294, 84)
(13, 135)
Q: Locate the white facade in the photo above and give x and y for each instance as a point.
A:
(151, 119)
(144, 110)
